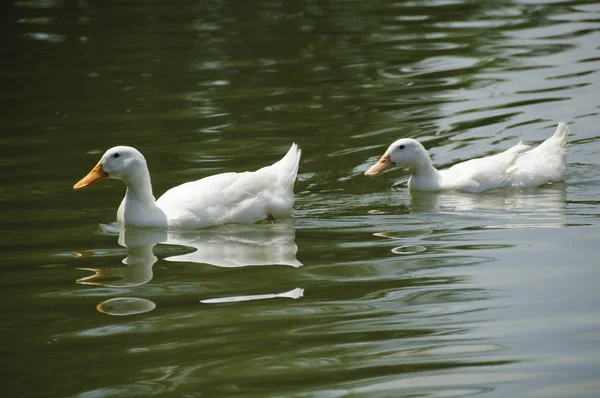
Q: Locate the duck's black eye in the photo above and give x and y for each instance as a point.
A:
(116, 155)
(401, 147)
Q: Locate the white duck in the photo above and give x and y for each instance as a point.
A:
(225, 198)
(518, 166)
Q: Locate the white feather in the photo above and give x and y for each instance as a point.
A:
(520, 166)
(225, 198)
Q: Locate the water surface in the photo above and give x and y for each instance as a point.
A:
(369, 291)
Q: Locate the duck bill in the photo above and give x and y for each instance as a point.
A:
(382, 165)
(97, 174)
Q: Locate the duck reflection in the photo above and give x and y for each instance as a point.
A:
(239, 245)
(540, 207)
(291, 294)
(498, 209)
(226, 246)
(138, 263)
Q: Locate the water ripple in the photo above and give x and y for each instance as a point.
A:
(408, 249)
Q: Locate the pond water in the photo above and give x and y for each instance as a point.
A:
(369, 291)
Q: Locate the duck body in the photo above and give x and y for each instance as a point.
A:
(226, 198)
(518, 166)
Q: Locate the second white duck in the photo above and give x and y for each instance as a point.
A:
(226, 198)
(519, 166)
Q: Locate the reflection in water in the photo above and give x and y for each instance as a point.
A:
(497, 209)
(225, 246)
(239, 245)
(125, 306)
(139, 261)
(542, 207)
(293, 294)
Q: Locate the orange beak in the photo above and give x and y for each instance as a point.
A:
(93, 177)
(382, 165)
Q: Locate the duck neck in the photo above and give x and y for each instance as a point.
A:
(139, 190)
(139, 205)
(423, 175)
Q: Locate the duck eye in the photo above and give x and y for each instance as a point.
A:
(116, 155)
(401, 147)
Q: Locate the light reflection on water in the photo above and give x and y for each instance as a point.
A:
(398, 293)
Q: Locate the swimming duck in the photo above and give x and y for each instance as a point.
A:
(227, 198)
(519, 166)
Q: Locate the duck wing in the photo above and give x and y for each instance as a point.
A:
(544, 163)
(477, 175)
(245, 197)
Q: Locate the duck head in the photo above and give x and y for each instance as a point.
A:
(405, 152)
(121, 162)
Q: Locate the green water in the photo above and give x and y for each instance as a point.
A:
(368, 291)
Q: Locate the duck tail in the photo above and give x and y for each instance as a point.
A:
(555, 144)
(561, 134)
(288, 165)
